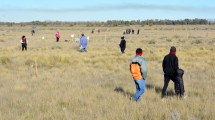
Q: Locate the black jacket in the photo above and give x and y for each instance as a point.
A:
(122, 43)
(170, 65)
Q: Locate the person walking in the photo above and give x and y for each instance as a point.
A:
(83, 43)
(32, 32)
(138, 69)
(122, 45)
(170, 67)
(138, 31)
(24, 43)
(132, 31)
(57, 36)
(179, 84)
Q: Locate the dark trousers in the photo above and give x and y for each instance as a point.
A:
(179, 86)
(122, 49)
(57, 39)
(24, 46)
(166, 83)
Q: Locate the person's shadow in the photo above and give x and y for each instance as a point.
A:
(122, 91)
(170, 92)
(127, 93)
(157, 89)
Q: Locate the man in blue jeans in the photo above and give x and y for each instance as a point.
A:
(138, 68)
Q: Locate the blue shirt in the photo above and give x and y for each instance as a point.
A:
(83, 42)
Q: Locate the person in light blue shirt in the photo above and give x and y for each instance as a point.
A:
(83, 43)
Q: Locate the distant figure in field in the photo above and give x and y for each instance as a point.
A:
(128, 31)
(138, 31)
(99, 31)
(122, 44)
(57, 36)
(138, 69)
(124, 33)
(32, 32)
(24, 43)
(92, 31)
(83, 43)
(132, 31)
(170, 67)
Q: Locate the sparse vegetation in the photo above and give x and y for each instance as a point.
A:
(54, 81)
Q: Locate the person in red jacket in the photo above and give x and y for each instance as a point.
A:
(57, 36)
(24, 43)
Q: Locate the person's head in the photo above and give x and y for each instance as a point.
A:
(82, 34)
(122, 37)
(139, 52)
(23, 37)
(173, 49)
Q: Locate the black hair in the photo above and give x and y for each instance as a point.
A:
(173, 49)
(139, 51)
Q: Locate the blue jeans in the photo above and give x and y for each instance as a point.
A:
(140, 89)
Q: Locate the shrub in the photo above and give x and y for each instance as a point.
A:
(152, 42)
(4, 60)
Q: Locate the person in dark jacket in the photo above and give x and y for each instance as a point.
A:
(138, 31)
(179, 84)
(132, 31)
(122, 44)
(170, 67)
(32, 32)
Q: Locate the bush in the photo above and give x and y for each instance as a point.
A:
(197, 42)
(4, 60)
(48, 61)
(152, 42)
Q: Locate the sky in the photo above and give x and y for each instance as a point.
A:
(103, 10)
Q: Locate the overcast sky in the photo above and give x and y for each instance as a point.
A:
(102, 10)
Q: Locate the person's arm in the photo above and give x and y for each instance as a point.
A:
(164, 64)
(144, 69)
(176, 64)
(120, 44)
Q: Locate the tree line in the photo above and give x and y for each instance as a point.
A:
(116, 23)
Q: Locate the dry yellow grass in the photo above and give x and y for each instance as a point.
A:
(54, 81)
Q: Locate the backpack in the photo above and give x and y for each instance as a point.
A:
(135, 69)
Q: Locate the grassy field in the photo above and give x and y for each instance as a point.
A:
(54, 81)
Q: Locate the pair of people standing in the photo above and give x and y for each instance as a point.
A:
(83, 42)
(138, 69)
(173, 72)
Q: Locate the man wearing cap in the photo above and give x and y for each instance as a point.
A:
(122, 44)
(83, 43)
(170, 67)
